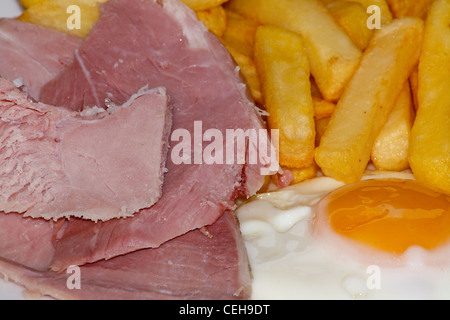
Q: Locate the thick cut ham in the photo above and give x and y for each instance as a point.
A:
(28, 242)
(141, 43)
(97, 165)
(158, 43)
(33, 53)
(192, 266)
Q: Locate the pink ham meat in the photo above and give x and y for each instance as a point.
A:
(158, 43)
(28, 242)
(99, 165)
(192, 266)
(33, 53)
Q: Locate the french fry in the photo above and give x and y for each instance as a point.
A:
(301, 175)
(215, 19)
(240, 33)
(283, 67)
(386, 14)
(346, 146)
(352, 17)
(28, 3)
(315, 92)
(53, 14)
(409, 8)
(298, 175)
(391, 147)
(323, 108)
(430, 141)
(321, 127)
(332, 55)
(248, 71)
(199, 5)
(239, 38)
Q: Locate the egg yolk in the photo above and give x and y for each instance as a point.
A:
(392, 215)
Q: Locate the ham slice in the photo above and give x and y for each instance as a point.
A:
(28, 242)
(33, 54)
(159, 43)
(192, 266)
(158, 253)
(99, 165)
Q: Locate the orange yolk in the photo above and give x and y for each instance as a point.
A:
(392, 215)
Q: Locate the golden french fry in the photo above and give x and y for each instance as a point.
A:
(332, 55)
(283, 67)
(248, 71)
(391, 147)
(409, 8)
(239, 39)
(386, 14)
(315, 92)
(323, 108)
(321, 127)
(54, 14)
(301, 175)
(352, 17)
(215, 19)
(346, 146)
(240, 33)
(28, 3)
(430, 141)
(199, 5)
(298, 175)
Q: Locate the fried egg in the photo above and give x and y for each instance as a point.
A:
(386, 237)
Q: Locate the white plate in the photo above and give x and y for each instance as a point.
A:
(8, 290)
(10, 8)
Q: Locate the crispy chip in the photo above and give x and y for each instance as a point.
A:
(346, 147)
(430, 141)
(409, 8)
(391, 147)
(28, 3)
(332, 55)
(249, 72)
(323, 108)
(199, 5)
(352, 17)
(215, 19)
(240, 33)
(57, 14)
(283, 67)
(297, 175)
(321, 127)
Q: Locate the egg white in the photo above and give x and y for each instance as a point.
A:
(290, 261)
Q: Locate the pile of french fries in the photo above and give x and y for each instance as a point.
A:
(344, 95)
(341, 93)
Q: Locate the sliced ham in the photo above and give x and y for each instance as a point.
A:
(98, 165)
(158, 253)
(28, 242)
(152, 43)
(33, 54)
(193, 266)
